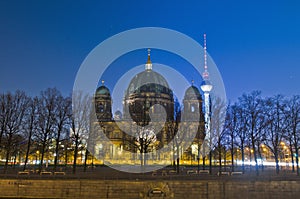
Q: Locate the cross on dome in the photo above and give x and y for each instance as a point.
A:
(148, 65)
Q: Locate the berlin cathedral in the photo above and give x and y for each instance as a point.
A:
(151, 120)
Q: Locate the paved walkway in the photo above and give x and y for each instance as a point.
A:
(186, 173)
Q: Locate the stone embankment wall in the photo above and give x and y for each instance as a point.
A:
(12, 188)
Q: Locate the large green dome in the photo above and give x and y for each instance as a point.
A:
(146, 89)
(149, 81)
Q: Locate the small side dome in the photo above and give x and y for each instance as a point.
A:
(192, 93)
(102, 90)
(118, 115)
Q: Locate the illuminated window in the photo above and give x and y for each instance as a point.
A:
(101, 108)
(192, 109)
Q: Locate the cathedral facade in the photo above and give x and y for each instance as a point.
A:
(150, 121)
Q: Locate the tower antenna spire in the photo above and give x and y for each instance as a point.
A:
(149, 54)
(205, 73)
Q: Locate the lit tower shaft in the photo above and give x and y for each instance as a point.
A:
(206, 87)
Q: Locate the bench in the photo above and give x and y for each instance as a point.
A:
(164, 173)
(59, 173)
(223, 173)
(191, 172)
(46, 173)
(154, 173)
(156, 192)
(236, 173)
(23, 173)
(204, 171)
(30, 170)
(172, 172)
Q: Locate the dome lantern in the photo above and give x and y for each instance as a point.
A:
(148, 65)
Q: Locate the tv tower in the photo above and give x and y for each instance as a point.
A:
(206, 87)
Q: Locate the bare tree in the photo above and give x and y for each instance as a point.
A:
(61, 123)
(230, 131)
(176, 134)
(241, 131)
(80, 119)
(293, 118)
(3, 118)
(218, 134)
(145, 142)
(30, 126)
(47, 111)
(15, 105)
(252, 104)
(275, 126)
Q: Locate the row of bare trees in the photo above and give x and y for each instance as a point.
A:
(255, 121)
(30, 125)
(47, 123)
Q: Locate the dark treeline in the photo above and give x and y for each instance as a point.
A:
(38, 127)
(45, 126)
(255, 124)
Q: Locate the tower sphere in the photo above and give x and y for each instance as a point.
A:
(206, 86)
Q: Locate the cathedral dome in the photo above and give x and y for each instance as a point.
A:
(146, 89)
(192, 93)
(102, 102)
(102, 90)
(149, 81)
(118, 115)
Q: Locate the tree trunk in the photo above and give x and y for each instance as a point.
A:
(292, 156)
(75, 153)
(250, 159)
(277, 162)
(220, 159)
(225, 164)
(297, 162)
(232, 158)
(57, 148)
(255, 156)
(260, 156)
(85, 159)
(145, 158)
(243, 160)
(8, 148)
(7, 158)
(27, 151)
(141, 158)
(243, 157)
(174, 159)
(177, 159)
(210, 162)
(42, 158)
(66, 155)
(1, 133)
(15, 160)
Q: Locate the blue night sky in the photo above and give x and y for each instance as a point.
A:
(255, 44)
